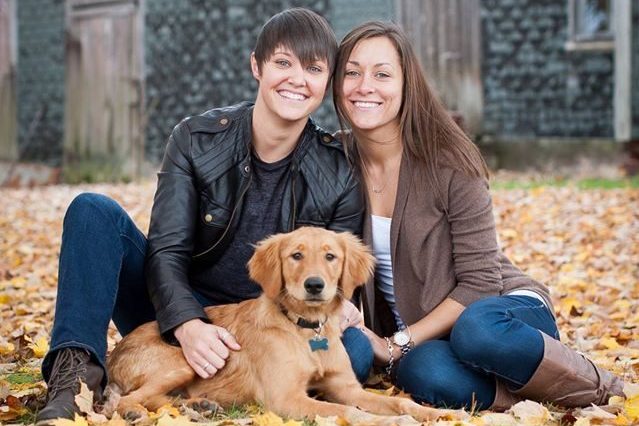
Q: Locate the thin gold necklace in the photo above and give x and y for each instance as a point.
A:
(377, 190)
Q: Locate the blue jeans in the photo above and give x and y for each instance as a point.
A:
(101, 277)
(496, 337)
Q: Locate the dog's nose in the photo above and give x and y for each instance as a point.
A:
(314, 285)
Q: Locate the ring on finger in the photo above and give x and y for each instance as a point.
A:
(206, 366)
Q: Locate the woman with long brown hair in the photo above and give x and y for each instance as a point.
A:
(449, 315)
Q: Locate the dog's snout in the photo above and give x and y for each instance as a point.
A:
(314, 285)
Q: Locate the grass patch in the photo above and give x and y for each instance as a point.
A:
(94, 170)
(27, 418)
(23, 378)
(237, 412)
(590, 183)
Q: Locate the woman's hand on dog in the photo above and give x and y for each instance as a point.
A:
(350, 317)
(205, 346)
(380, 348)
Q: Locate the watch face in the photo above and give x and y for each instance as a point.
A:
(401, 338)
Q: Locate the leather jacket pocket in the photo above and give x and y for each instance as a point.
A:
(213, 214)
(213, 219)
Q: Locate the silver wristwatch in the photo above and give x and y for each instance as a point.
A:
(403, 339)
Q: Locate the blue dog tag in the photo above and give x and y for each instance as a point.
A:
(318, 344)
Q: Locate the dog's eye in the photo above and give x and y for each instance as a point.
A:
(330, 256)
(297, 256)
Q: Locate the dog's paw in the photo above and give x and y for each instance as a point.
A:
(201, 405)
(133, 414)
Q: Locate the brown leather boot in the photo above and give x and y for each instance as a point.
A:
(504, 398)
(567, 378)
(71, 366)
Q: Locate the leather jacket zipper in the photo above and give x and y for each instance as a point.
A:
(230, 220)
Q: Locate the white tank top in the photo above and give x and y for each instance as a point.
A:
(384, 268)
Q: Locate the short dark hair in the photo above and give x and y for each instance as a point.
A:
(307, 34)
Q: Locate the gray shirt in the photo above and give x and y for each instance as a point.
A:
(259, 219)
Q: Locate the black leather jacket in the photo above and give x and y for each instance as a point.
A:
(205, 173)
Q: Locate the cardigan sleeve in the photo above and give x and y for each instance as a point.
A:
(474, 239)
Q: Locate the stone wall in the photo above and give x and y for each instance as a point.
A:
(346, 14)
(533, 87)
(40, 80)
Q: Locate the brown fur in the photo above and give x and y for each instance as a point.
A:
(275, 366)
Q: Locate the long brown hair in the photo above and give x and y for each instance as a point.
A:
(427, 130)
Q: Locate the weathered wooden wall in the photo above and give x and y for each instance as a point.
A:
(104, 95)
(446, 35)
(8, 145)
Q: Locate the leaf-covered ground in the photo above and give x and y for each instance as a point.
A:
(582, 240)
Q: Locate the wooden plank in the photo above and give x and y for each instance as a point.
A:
(622, 104)
(446, 36)
(8, 55)
(104, 112)
(470, 95)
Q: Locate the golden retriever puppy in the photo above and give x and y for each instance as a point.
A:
(290, 340)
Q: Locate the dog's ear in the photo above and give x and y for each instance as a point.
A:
(358, 263)
(265, 266)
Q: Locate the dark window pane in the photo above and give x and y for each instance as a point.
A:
(593, 18)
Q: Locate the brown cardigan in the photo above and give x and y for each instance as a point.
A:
(441, 252)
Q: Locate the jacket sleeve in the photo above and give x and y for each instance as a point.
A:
(349, 213)
(170, 241)
(474, 239)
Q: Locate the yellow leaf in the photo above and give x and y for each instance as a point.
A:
(268, 419)
(570, 306)
(166, 409)
(609, 343)
(40, 347)
(7, 348)
(479, 421)
(594, 412)
(530, 413)
(623, 304)
(167, 420)
(622, 420)
(631, 407)
(497, 419)
(18, 282)
(78, 421)
(116, 420)
(616, 401)
(509, 233)
(84, 401)
(325, 421)
(631, 390)
(583, 255)
(341, 421)
(582, 421)
(4, 389)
